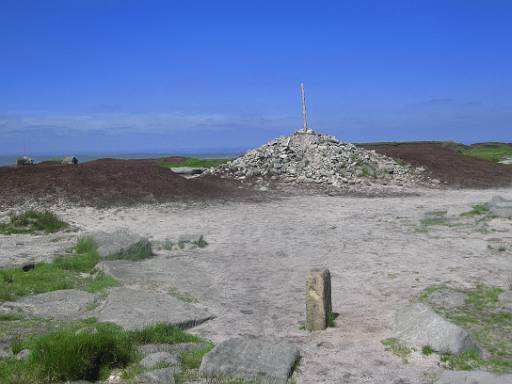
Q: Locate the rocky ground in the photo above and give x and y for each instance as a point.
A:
(381, 252)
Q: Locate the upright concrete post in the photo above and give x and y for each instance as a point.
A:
(318, 299)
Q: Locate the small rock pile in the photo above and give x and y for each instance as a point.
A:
(314, 158)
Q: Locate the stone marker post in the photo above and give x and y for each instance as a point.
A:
(318, 299)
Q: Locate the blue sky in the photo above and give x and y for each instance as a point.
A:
(201, 76)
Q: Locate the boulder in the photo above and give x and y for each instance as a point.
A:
(473, 377)
(158, 376)
(5, 354)
(500, 207)
(418, 325)
(136, 309)
(65, 304)
(121, 244)
(188, 170)
(505, 299)
(23, 355)
(249, 358)
(24, 160)
(70, 160)
(156, 359)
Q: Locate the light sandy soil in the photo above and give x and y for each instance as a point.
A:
(252, 274)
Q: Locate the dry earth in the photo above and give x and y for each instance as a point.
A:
(252, 274)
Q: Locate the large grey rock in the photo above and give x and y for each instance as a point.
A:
(64, 304)
(269, 361)
(505, 299)
(473, 377)
(188, 170)
(446, 298)
(158, 376)
(70, 160)
(23, 355)
(24, 160)
(318, 299)
(418, 325)
(121, 244)
(136, 309)
(156, 359)
(500, 207)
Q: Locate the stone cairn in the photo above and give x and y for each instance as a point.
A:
(318, 299)
(307, 157)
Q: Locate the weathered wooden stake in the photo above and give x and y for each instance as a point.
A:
(304, 107)
(318, 299)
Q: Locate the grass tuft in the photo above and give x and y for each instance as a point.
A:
(477, 210)
(427, 350)
(32, 221)
(162, 333)
(396, 347)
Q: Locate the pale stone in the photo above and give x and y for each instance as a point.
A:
(318, 299)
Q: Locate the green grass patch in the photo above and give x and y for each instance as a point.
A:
(488, 151)
(477, 210)
(32, 221)
(490, 327)
(394, 346)
(63, 354)
(192, 359)
(10, 317)
(62, 273)
(194, 163)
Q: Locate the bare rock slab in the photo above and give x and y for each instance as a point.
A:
(65, 304)
(158, 376)
(147, 349)
(248, 358)
(318, 299)
(121, 244)
(136, 309)
(473, 377)
(500, 207)
(418, 325)
(158, 359)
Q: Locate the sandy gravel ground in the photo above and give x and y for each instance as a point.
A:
(252, 274)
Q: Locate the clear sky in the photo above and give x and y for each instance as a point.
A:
(162, 76)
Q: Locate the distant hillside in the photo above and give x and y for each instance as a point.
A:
(492, 151)
(454, 164)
